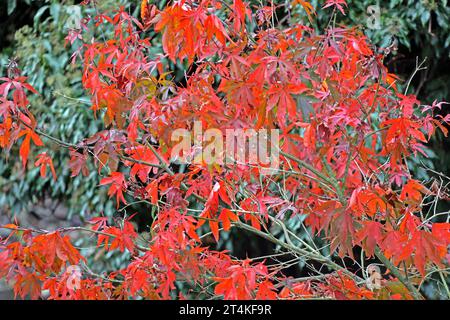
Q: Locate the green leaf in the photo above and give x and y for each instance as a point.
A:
(11, 6)
(38, 15)
(425, 17)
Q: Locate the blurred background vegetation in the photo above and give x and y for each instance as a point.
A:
(33, 31)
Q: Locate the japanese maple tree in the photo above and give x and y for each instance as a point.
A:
(346, 134)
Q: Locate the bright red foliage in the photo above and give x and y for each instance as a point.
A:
(345, 134)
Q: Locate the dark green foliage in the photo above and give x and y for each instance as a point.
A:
(43, 57)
